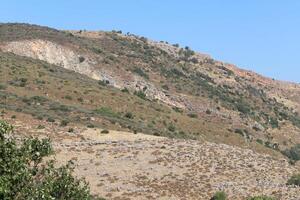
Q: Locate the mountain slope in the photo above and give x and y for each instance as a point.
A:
(172, 91)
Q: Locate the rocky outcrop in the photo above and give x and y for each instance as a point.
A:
(52, 53)
(82, 63)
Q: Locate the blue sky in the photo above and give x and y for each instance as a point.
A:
(260, 35)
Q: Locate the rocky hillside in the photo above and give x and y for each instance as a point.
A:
(197, 96)
(72, 85)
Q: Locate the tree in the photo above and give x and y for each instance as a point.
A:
(24, 174)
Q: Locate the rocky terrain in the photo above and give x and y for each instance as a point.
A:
(156, 168)
(210, 126)
(124, 165)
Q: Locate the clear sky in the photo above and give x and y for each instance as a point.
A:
(261, 35)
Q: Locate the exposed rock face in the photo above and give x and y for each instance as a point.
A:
(52, 53)
(82, 63)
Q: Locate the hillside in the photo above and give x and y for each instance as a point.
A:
(210, 99)
(56, 82)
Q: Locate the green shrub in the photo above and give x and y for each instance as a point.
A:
(80, 99)
(23, 176)
(104, 131)
(176, 109)
(2, 86)
(243, 107)
(40, 126)
(140, 72)
(294, 180)
(171, 128)
(64, 122)
(125, 90)
(219, 196)
(106, 111)
(68, 97)
(273, 122)
(81, 59)
(239, 131)
(50, 119)
(103, 82)
(208, 112)
(165, 87)
(192, 115)
(90, 126)
(140, 94)
(259, 141)
(129, 115)
(293, 153)
(71, 130)
(19, 82)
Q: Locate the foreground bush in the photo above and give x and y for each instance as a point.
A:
(24, 175)
(219, 196)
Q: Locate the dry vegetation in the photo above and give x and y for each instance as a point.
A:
(56, 83)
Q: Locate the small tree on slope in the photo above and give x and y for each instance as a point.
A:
(23, 175)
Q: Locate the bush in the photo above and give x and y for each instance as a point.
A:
(64, 122)
(208, 112)
(140, 72)
(140, 94)
(273, 122)
(90, 126)
(171, 128)
(219, 196)
(24, 175)
(125, 90)
(68, 97)
(81, 59)
(176, 109)
(103, 82)
(40, 126)
(294, 180)
(71, 130)
(165, 87)
(293, 153)
(104, 131)
(106, 111)
(50, 119)
(243, 107)
(129, 115)
(19, 82)
(2, 86)
(192, 115)
(239, 131)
